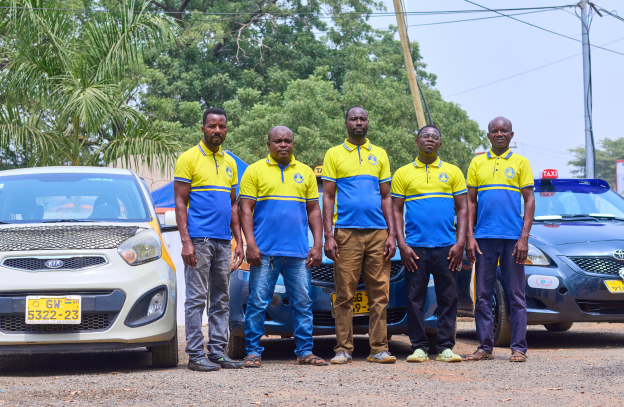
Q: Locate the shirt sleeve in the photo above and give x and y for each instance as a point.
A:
(398, 186)
(312, 193)
(459, 183)
(234, 173)
(183, 169)
(472, 174)
(329, 168)
(526, 174)
(249, 184)
(385, 175)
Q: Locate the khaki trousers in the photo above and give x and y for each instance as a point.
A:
(361, 251)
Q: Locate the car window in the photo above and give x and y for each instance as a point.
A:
(576, 198)
(32, 198)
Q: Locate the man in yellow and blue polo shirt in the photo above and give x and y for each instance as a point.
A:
(498, 180)
(207, 216)
(279, 199)
(433, 192)
(356, 175)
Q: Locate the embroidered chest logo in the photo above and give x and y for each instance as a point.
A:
(298, 178)
(510, 172)
(443, 177)
(372, 159)
(228, 171)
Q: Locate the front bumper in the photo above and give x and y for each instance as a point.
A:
(126, 283)
(278, 319)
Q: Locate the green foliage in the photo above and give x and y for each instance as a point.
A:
(610, 151)
(66, 92)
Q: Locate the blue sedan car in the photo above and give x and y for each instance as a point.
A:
(575, 266)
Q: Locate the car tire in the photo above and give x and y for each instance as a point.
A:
(558, 326)
(433, 340)
(166, 355)
(236, 347)
(502, 327)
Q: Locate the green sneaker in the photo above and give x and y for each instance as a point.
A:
(448, 356)
(419, 355)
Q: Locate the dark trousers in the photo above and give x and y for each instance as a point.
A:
(432, 260)
(514, 281)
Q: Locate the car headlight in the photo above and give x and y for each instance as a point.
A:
(536, 257)
(141, 248)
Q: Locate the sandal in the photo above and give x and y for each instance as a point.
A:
(252, 361)
(311, 359)
(480, 354)
(517, 356)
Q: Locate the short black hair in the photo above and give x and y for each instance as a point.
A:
(429, 126)
(213, 110)
(353, 107)
(279, 125)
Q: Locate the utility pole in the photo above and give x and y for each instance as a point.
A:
(407, 56)
(590, 165)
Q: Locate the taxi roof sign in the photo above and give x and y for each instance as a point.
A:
(550, 174)
(318, 171)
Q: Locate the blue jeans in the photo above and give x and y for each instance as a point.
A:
(262, 281)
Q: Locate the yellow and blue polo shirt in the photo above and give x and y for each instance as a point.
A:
(499, 181)
(357, 171)
(280, 214)
(212, 177)
(428, 191)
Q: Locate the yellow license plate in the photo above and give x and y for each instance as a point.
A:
(615, 286)
(360, 302)
(53, 310)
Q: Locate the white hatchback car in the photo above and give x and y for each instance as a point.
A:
(83, 264)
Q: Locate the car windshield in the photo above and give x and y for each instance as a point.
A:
(66, 197)
(577, 198)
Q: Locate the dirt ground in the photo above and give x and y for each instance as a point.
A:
(581, 367)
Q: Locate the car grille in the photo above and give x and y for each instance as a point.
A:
(601, 307)
(64, 237)
(601, 265)
(38, 264)
(325, 272)
(324, 318)
(16, 324)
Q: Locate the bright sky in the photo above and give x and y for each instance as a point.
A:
(546, 105)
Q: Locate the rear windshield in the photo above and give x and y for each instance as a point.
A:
(48, 198)
(577, 198)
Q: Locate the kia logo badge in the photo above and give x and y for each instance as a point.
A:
(54, 264)
(618, 254)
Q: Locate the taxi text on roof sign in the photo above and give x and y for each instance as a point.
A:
(550, 174)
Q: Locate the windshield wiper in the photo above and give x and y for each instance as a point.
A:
(67, 220)
(591, 216)
(6, 223)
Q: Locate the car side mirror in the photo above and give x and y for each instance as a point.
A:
(171, 225)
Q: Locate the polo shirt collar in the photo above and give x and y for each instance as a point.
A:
(505, 155)
(204, 150)
(350, 147)
(436, 163)
(271, 161)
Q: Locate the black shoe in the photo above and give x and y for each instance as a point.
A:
(203, 365)
(228, 363)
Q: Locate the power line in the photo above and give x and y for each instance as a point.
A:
(541, 28)
(525, 72)
(481, 18)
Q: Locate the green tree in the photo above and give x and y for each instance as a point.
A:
(609, 152)
(375, 78)
(66, 93)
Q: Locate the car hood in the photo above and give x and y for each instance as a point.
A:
(577, 232)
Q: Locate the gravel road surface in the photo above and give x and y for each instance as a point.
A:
(581, 367)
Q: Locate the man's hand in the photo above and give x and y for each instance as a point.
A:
(331, 248)
(455, 256)
(521, 249)
(471, 247)
(408, 258)
(188, 254)
(254, 257)
(314, 257)
(238, 256)
(390, 248)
